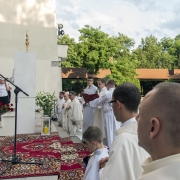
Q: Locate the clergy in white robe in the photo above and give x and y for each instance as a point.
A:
(125, 156)
(109, 122)
(92, 168)
(166, 168)
(74, 116)
(88, 113)
(98, 111)
(59, 105)
(63, 116)
(159, 132)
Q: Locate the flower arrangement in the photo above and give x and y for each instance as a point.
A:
(5, 108)
(45, 100)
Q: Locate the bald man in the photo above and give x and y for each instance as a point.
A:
(159, 132)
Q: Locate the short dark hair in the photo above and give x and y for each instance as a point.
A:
(93, 133)
(102, 80)
(129, 94)
(72, 92)
(110, 82)
(89, 77)
(62, 92)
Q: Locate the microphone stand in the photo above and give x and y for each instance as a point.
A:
(14, 159)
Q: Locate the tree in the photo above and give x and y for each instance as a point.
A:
(124, 64)
(95, 48)
(151, 54)
(172, 46)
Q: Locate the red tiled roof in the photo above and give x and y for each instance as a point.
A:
(143, 74)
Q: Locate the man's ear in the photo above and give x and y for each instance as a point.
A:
(119, 104)
(154, 127)
(94, 142)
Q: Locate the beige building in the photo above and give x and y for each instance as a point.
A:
(38, 17)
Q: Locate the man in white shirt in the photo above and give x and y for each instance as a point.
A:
(125, 156)
(74, 115)
(110, 125)
(88, 113)
(159, 132)
(59, 105)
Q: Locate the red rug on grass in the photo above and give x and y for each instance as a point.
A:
(57, 154)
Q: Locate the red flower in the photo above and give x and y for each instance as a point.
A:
(12, 109)
(11, 104)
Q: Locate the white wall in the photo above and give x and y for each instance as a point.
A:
(38, 17)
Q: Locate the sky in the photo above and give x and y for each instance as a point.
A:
(134, 18)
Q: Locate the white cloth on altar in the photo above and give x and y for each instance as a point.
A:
(92, 168)
(62, 119)
(125, 156)
(99, 114)
(74, 116)
(163, 169)
(88, 113)
(110, 123)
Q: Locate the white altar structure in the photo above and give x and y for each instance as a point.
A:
(38, 18)
(25, 79)
(33, 71)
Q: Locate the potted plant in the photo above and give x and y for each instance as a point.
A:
(45, 100)
(5, 108)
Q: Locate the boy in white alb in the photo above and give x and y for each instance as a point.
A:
(94, 140)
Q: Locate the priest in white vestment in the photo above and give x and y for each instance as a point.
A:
(59, 106)
(110, 125)
(159, 132)
(98, 111)
(74, 116)
(125, 156)
(63, 115)
(88, 113)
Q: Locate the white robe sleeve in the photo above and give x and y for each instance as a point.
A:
(76, 113)
(92, 170)
(98, 101)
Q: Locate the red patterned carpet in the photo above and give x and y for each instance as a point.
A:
(57, 154)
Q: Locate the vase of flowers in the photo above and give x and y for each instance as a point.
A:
(45, 100)
(5, 108)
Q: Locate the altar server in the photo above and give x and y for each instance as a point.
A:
(109, 122)
(98, 111)
(159, 132)
(88, 113)
(74, 115)
(63, 115)
(94, 141)
(125, 156)
(59, 105)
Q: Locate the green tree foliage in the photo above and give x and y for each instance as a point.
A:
(151, 54)
(95, 48)
(172, 46)
(124, 64)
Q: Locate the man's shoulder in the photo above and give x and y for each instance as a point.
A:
(125, 138)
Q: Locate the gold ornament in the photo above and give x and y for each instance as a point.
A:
(27, 41)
